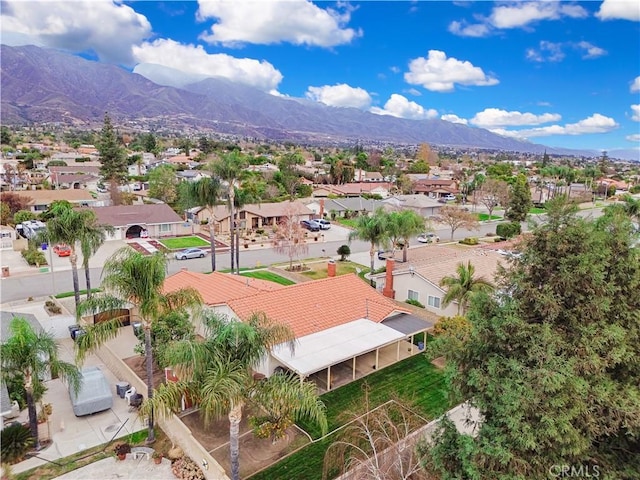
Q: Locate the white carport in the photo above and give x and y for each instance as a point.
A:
(339, 345)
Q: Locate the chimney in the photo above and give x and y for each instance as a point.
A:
(322, 208)
(331, 268)
(388, 290)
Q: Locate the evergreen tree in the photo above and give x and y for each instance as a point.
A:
(112, 158)
(553, 361)
(519, 200)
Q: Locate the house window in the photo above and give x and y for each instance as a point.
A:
(165, 227)
(413, 295)
(433, 301)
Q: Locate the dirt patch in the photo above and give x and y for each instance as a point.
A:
(439, 362)
(138, 364)
(255, 453)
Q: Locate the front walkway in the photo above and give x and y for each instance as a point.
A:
(112, 468)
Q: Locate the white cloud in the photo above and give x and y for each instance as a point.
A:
(194, 61)
(450, 117)
(494, 117)
(633, 138)
(635, 85)
(299, 22)
(547, 52)
(106, 28)
(516, 15)
(341, 95)
(590, 50)
(636, 112)
(440, 74)
(401, 107)
(596, 123)
(619, 9)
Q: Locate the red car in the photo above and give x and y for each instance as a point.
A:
(62, 250)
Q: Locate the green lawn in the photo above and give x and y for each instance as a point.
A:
(537, 210)
(414, 380)
(319, 269)
(270, 276)
(71, 294)
(183, 242)
(485, 216)
(346, 222)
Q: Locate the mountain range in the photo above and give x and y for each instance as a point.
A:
(43, 85)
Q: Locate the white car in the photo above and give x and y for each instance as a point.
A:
(190, 253)
(324, 224)
(428, 238)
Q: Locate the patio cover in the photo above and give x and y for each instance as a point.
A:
(407, 324)
(320, 350)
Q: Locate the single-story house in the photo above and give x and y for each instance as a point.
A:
(251, 217)
(135, 221)
(326, 207)
(436, 188)
(354, 189)
(192, 175)
(421, 204)
(419, 278)
(64, 180)
(40, 200)
(365, 176)
(338, 339)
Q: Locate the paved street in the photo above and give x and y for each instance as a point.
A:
(27, 281)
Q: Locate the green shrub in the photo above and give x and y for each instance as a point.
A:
(635, 189)
(469, 241)
(16, 442)
(344, 251)
(508, 229)
(414, 302)
(34, 256)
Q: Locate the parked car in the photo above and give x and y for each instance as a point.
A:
(311, 225)
(62, 250)
(324, 224)
(190, 253)
(449, 197)
(383, 255)
(428, 237)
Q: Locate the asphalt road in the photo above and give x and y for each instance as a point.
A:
(41, 284)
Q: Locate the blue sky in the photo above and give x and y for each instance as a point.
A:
(563, 74)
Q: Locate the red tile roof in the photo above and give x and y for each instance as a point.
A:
(218, 288)
(311, 307)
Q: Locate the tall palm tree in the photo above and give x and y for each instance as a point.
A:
(70, 227)
(206, 192)
(464, 285)
(130, 278)
(93, 237)
(241, 198)
(217, 374)
(31, 355)
(403, 225)
(228, 168)
(372, 229)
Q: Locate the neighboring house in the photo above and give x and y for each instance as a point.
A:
(40, 200)
(192, 175)
(419, 278)
(421, 204)
(354, 189)
(252, 216)
(436, 188)
(74, 181)
(364, 176)
(135, 221)
(7, 236)
(325, 207)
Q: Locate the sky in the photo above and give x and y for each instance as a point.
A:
(563, 74)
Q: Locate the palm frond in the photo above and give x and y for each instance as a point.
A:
(95, 336)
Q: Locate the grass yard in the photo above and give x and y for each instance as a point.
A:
(414, 380)
(319, 269)
(537, 210)
(183, 242)
(269, 276)
(346, 222)
(71, 294)
(482, 217)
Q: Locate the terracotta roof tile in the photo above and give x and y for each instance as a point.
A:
(218, 288)
(311, 307)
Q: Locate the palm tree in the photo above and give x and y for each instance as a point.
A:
(403, 225)
(70, 227)
(31, 355)
(217, 374)
(228, 168)
(129, 277)
(206, 191)
(371, 229)
(241, 198)
(463, 286)
(92, 238)
(631, 206)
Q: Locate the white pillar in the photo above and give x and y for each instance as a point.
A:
(329, 378)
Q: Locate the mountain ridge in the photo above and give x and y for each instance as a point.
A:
(45, 85)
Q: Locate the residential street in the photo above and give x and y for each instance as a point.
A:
(21, 286)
